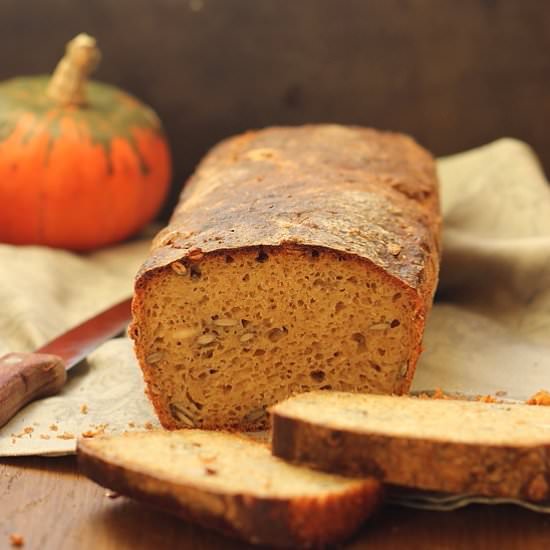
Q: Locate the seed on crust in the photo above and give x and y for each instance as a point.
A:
(179, 268)
(195, 254)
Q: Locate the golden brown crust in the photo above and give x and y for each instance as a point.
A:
(371, 196)
(495, 471)
(302, 522)
(355, 190)
(329, 520)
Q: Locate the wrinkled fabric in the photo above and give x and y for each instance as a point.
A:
(490, 328)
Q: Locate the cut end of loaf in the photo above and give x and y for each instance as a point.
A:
(222, 336)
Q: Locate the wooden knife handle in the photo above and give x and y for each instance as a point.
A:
(26, 376)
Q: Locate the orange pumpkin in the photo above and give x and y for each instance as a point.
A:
(82, 164)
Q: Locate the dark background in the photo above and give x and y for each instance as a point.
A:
(454, 74)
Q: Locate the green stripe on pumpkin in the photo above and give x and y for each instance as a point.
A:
(110, 112)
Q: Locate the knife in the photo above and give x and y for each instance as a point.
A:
(28, 376)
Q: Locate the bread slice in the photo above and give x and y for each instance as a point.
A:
(298, 259)
(232, 484)
(457, 446)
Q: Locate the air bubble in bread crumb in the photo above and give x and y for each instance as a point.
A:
(262, 256)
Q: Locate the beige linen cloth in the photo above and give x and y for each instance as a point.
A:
(488, 332)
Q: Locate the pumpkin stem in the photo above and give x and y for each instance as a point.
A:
(67, 85)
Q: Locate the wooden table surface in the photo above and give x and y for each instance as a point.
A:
(54, 508)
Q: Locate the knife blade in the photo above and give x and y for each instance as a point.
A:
(25, 377)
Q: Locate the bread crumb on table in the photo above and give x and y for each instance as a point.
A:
(84, 408)
(17, 540)
(148, 425)
(65, 435)
(44, 436)
(542, 397)
(26, 431)
(487, 399)
(439, 394)
(99, 429)
(131, 424)
(54, 427)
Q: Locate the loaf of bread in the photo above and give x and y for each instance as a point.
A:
(231, 484)
(297, 259)
(455, 446)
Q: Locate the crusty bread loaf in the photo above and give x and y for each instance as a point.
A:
(231, 484)
(457, 446)
(298, 258)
